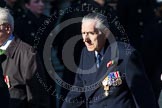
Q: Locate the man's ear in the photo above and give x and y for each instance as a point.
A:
(107, 33)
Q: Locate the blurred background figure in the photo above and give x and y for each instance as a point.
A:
(27, 25)
(16, 7)
(55, 5)
(143, 23)
(2, 3)
(31, 29)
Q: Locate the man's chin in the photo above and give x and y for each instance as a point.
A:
(90, 49)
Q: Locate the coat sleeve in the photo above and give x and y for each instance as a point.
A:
(138, 83)
(37, 96)
(75, 99)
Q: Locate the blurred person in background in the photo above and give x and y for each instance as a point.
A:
(16, 8)
(28, 28)
(143, 27)
(2, 3)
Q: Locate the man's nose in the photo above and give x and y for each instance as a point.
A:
(86, 39)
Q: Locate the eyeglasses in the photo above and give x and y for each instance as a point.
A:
(3, 27)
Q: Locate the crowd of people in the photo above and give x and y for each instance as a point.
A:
(134, 26)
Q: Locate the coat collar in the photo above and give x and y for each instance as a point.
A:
(12, 47)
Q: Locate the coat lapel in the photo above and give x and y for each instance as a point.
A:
(110, 54)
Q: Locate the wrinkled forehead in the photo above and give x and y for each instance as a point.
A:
(89, 24)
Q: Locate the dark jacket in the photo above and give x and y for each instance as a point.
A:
(32, 29)
(16, 10)
(144, 32)
(134, 92)
(2, 3)
(4, 93)
(25, 73)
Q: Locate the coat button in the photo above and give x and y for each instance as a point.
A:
(29, 22)
(142, 36)
(160, 21)
(139, 10)
(141, 23)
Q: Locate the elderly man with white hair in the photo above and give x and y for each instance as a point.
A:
(21, 68)
(109, 76)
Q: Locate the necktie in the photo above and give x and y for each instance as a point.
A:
(98, 60)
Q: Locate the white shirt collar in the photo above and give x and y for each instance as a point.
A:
(7, 43)
(101, 52)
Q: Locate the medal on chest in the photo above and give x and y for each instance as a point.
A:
(112, 79)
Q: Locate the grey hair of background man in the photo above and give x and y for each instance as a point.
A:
(101, 21)
(6, 18)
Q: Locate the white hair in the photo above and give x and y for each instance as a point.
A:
(101, 21)
(6, 17)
